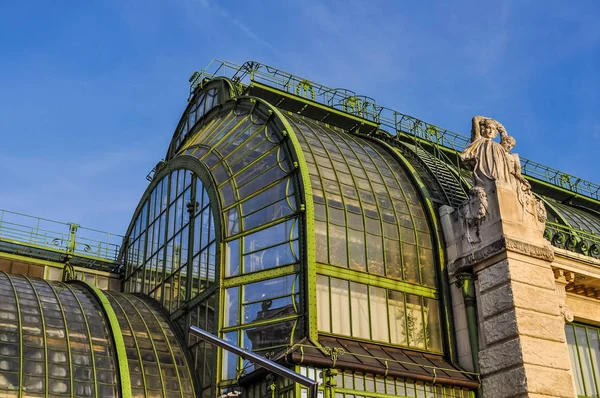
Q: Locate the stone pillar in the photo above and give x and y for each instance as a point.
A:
(498, 237)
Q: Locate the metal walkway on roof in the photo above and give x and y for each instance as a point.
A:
(57, 241)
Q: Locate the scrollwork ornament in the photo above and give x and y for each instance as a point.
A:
(572, 243)
(583, 246)
(594, 250)
(542, 214)
(559, 239)
(566, 313)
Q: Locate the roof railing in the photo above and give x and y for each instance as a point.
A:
(366, 108)
(68, 238)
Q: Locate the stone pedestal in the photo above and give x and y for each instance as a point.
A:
(522, 345)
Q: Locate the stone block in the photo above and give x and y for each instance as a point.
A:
(493, 275)
(500, 327)
(536, 273)
(543, 326)
(500, 356)
(496, 301)
(506, 384)
(546, 353)
(535, 299)
(546, 381)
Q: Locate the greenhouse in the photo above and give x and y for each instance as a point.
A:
(301, 223)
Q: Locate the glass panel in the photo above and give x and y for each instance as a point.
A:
(340, 318)
(434, 327)
(378, 322)
(323, 304)
(231, 307)
(585, 360)
(574, 357)
(359, 303)
(396, 313)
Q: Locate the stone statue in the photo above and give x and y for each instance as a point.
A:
(486, 158)
(493, 161)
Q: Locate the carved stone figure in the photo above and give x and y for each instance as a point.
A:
(487, 158)
(495, 167)
(523, 187)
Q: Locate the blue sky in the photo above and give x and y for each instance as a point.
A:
(91, 91)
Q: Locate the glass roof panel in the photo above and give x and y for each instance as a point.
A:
(578, 218)
(369, 216)
(54, 340)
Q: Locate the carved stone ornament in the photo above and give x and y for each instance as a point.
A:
(493, 161)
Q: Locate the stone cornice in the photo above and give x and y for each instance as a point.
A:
(504, 243)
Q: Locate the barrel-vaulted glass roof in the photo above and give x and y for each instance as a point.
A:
(69, 340)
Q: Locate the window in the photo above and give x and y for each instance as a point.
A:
(171, 249)
(379, 314)
(584, 352)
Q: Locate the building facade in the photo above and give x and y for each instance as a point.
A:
(368, 250)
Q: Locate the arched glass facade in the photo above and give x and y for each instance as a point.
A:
(200, 104)
(157, 363)
(245, 153)
(171, 249)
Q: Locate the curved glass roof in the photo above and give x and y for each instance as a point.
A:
(577, 218)
(368, 214)
(157, 364)
(57, 339)
(54, 340)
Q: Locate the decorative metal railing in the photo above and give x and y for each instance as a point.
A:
(56, 236)
(366, 108)
(572, 239)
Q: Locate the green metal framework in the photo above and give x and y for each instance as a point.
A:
(58, 241)
(283, 190)
(53, 341)
(72, 340)
(349, 384)
(254, 175)
(584, 352)
(366, 108)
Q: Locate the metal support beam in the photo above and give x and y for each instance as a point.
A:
(258, 360)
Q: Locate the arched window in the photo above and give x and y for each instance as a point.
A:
(171, 245)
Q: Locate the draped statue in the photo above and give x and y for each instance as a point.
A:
(493, 161)
(486, 158)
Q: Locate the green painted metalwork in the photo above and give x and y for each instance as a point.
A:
(64, 238)
(446, 300)
(246, 149)
(159, 364)
(117, 335)
(348, 384)
(572, 239)
(20, 329)
(365, 107)
(56, 351)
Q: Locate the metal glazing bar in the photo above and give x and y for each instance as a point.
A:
(257, 359)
